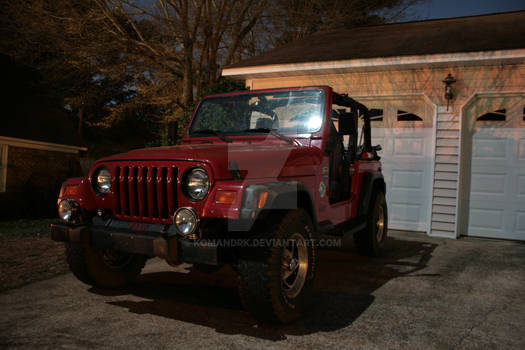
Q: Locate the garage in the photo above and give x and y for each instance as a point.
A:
(495, 139)
(449, 113)
(403, 126)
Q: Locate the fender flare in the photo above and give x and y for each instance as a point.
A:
(291, 194)
(370, 181)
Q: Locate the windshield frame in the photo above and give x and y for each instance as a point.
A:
(324, 93)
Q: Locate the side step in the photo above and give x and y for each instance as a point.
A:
(348, 228)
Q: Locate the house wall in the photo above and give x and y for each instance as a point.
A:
(470, 80)
(427, 82)
(33, 180)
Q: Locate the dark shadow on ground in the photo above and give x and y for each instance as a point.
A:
(343, 291)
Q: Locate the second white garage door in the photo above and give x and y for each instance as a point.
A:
(497, 169)
(405, 132)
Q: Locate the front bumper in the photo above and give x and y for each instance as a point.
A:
(146, 242)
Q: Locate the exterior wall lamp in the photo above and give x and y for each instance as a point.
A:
(449, 93)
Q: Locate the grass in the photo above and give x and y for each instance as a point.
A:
(26, 227)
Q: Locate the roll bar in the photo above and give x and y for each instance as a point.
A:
(360, 110)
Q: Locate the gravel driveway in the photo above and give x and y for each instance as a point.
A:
(427, 294)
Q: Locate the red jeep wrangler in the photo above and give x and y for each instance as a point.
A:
(257, 178)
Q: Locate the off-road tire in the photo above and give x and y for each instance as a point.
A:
(366, 241)
(88, 265)
(261, 287)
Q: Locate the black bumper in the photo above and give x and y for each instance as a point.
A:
(150, 243)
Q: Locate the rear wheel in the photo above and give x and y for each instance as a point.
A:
(276, 283)
(371, 241)
(103, 268)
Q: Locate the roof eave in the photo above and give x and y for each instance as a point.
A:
(515, 56)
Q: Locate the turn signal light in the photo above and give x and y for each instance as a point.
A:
(71, 190)
(225, 197)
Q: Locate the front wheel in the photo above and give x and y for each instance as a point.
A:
(276, 283)
(103, 268)
(371, 241)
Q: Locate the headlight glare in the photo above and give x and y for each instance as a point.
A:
(197, 184)
(102, 180)
(68, 210)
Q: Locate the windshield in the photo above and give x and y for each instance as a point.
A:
(284, 112)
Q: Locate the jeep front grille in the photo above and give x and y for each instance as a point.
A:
(145, 192)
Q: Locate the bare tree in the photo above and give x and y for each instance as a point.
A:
(126, 54)
(190, 40)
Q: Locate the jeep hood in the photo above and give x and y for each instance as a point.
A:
(255, 160)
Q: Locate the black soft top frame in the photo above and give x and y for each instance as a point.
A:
(360, 110)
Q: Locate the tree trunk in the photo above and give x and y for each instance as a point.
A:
(187, 88)
(80, 126)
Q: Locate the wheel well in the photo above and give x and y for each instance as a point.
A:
(369, 186)
(294, 200)
(379, 185)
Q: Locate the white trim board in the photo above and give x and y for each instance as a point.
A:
(378, 64)
(46, 146)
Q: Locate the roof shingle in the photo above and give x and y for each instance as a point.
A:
(503, 31)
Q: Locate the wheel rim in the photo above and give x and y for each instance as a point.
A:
(114, 259)
(380, 224)
(294, 265)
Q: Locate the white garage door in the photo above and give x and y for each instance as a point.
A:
(497, 174)
(405, 132)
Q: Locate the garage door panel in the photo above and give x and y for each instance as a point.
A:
(409, 146)
(520, 221)
(487, 219)
(404, 196)
(521, 185)
(407, 179)
(497, 172)
(487, 184)
(401, 212)
(489, 148)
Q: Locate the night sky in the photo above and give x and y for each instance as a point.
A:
(458, 8)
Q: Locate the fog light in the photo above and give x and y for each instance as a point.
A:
(186, 220)
(67, 210)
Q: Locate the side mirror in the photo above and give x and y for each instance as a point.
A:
(173, 128)
(347, 123)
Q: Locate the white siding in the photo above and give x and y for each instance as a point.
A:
(444, 201)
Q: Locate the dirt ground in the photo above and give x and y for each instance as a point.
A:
(27, 253)
(28, 259)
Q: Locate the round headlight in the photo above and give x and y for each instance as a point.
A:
(196, 184)
(186, 220)
(67, 210)
(102, 180)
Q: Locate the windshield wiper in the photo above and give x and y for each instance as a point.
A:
(213, 132)
(272, 132)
